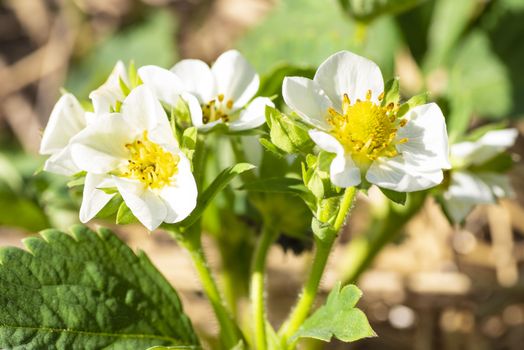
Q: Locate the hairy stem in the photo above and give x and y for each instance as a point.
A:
(229, 332)
(309, 292)
(267, 237)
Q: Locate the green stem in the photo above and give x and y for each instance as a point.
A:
(267, 237)
(229, 331)
(383, 229)
(309, 292)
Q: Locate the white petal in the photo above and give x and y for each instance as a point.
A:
(144, 112)
(466, 186)
(402, 174)
(482, 150)
(347, 73)
(164, 84)
(66, 120)
(62, 163)
(145, 205)
(195, 109)
(105, 97)
(198, 79)
(343, 171)
(93, 199)
(235, 78)
(305, 97)
(181, 198)
(253, 115)
(427, 136)
(100, 147)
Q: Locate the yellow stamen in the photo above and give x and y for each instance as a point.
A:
(229, 104)
(220, 97)
(366, 130)
(150, 163)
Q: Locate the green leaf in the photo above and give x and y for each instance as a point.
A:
(218, 184)
(367, 10)
(276, 185)
(323, 30)
(287, 134)
(449, 20)
(86, 290)
(479, 79)
(338, 318)
(271, 83)
(132, 43)
(124, 215)
(397, 197)
(391, 92)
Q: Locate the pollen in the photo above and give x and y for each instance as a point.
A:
(367, 130)
(150, 164)
(217, 109)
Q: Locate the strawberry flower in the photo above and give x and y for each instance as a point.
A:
(135, 152)
(343, 105)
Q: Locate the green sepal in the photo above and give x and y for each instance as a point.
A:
(316, 177)
(132, 73)
(180, 113)
(189, 142)
(108, 190)
(111, 208)
(391, 92)
(338, 318)
(286, 133)
(123, 86)
(397, 197)
(322, 230)
(414, 101)
(124, 215)
(78, 179)
(271, 147)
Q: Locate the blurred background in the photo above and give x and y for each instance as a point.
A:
(437, 286)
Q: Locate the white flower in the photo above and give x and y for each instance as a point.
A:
(470, 186)
(109, 94)
(67, 119)
(215, 95)
(343, 104)
(136, 152)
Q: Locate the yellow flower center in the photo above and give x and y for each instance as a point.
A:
(367, 130)
(150, 164)
(217, 109)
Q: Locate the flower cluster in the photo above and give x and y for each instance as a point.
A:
(478, 174)
(126, 144)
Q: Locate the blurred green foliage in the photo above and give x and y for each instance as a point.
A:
(148, 42)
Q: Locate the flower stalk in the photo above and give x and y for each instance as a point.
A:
(268, 236)
(229, 333)
(309, 292)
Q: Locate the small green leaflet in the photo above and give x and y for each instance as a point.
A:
(86, 290)
(218, 184)
(338, 317)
